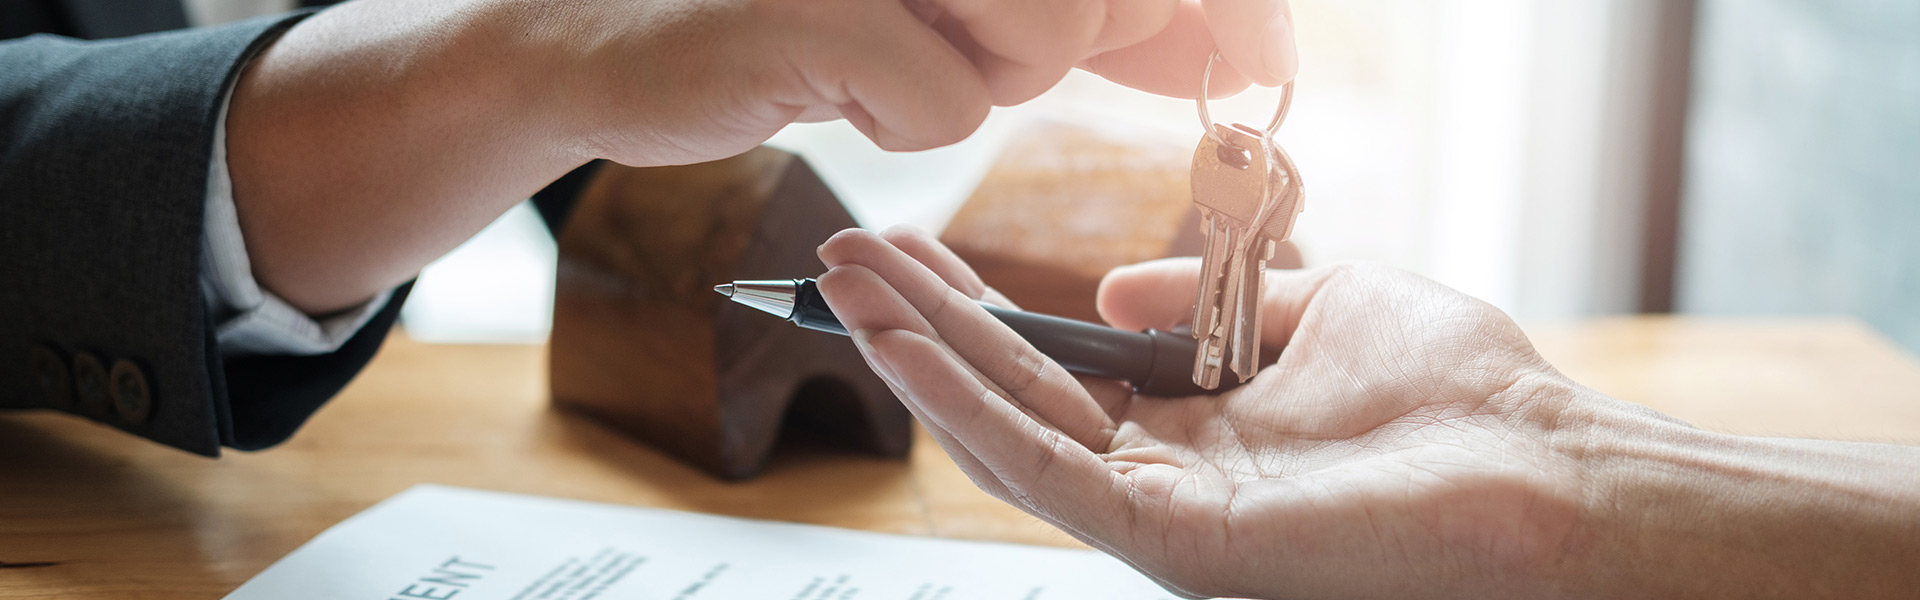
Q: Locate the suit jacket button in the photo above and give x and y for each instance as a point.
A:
(130, 396)
(50, 372)
(90, 385)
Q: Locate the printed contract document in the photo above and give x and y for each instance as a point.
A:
(442, 543)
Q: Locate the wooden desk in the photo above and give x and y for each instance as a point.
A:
(116, 517)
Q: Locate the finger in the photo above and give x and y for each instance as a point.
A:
(1130, 22)
(865, 302)
(977, 471)
(1171, 62)
(968, 463)
(1042, 471)
(819, 114)
(1022, 47)
(1031, 380)
(1286, 255)
(937, 257)
(840, 284)
(1256, 37)
(866, 305)
(1112, 396)
(894, 79)
(1159, 295)
(920, 245)
(994, 297)
(1151, 295)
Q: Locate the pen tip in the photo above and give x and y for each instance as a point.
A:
(724, 289)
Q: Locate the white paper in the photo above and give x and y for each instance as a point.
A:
(442, 543)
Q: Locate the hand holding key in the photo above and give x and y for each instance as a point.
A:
(909, 74)
(377, 135)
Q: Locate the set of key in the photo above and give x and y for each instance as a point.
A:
(1248, 193)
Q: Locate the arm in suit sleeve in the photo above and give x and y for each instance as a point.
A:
(104, 150)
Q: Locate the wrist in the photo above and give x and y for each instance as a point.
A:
(1670, 510)
(1566, 418)
(375, 136)
(1611, 448)
(604, 81)
(516, 66)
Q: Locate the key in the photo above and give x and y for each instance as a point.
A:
(1248, 192)
(1243, 188)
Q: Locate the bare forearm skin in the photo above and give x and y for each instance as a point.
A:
(378, 135)
(1678, 512)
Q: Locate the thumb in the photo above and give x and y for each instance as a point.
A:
(1256, 37)
(1150, 295)
(1159, 295)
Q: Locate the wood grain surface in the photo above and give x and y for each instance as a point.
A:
(641, 341)
(1064, 204)
(87, 512)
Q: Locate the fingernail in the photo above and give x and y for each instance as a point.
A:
(1282, 58)
(877, 362)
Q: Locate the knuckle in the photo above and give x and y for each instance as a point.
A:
(936, 313)
(978, 411)
(941, 128)
(1025, 490)
(848, 242)
(905, 233)
(848, 278)
(1027, 367)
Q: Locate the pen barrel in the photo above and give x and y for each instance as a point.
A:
(1082, 347)
(1172, 374)
(1156, 363)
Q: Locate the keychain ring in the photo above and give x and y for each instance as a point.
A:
(1206, 120)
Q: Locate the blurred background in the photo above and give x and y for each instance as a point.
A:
(1561, 159)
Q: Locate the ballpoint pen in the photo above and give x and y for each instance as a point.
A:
(1156, 363)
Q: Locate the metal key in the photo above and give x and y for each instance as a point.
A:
(1249, 192)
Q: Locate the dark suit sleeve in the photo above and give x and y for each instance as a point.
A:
(103, 166)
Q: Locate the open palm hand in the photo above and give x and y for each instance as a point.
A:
(1405, 441)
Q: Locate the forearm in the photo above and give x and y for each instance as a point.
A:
(380, 134)
(1680, 512)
